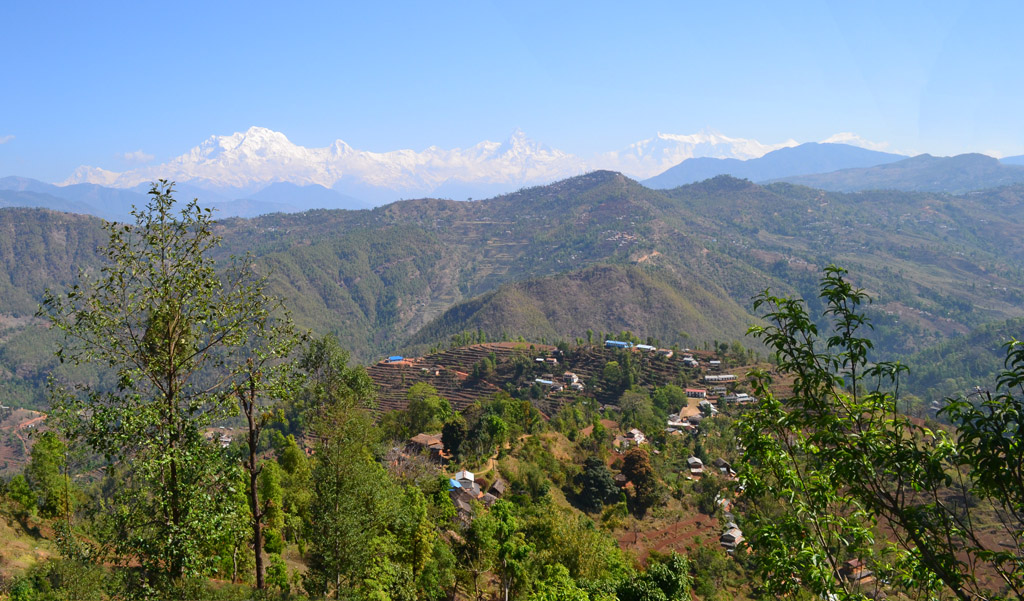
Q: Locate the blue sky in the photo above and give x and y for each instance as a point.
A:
(87, 83)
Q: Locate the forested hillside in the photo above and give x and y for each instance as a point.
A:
(597, 252)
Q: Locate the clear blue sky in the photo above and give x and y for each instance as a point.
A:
(87, 82)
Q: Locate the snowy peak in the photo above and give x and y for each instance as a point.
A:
(655, 155)
(258, 157)
(852, 139)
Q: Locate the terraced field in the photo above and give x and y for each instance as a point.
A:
(447, 371)
(682, 536)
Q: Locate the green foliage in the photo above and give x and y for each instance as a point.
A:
(512, 548)
(329, 381)
(837, 456)
(453, 434)
(272, 496)
(45, 473)
(711, 569)
(19, 491)
(277, 573)
(597, 487)
(488, 425)
(637, 411)
(665, 580)
(61, 580)
(426, 411)
(667, 400)
(355, 518)
(172, 331)
(556, 585)
(571, 540)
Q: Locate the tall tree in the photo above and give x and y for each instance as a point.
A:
(597, 486)
(264, 380)
(46, 474)
(354, 503)
(172, 331)
(636, 465)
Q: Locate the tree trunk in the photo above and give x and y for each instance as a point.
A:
(257, 522)
(249, 407)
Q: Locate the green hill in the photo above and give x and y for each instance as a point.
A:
(598, 251)
(649, 302)
(956, 366)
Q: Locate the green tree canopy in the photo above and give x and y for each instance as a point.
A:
(173, 330)
(831, 461)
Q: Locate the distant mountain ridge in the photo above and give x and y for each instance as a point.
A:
(90, 199)
(922, 173)
(786, 162)
(244, 163)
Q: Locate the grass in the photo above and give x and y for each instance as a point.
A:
(20, 550)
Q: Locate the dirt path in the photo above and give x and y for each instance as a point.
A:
(22, 426)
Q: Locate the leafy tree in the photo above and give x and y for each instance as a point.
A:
(612, 377)
(837, 457)
(330, 383)
(173, 331)
(453, 434)
(668, 399)
(636, 465)
(672, 575)
(710, 569)
(597, 486)
(640, 588)
(277, 573)
(477, 553)
(45, 474)
(512, 548)
(555, 584)
(272, 506)
(561, 537)
(431, 570)
(19, 491)
(354, 513)
(665, 580)
(708, 489)
(636, 409)
(295, 484)
(265, 380)
(426, 410)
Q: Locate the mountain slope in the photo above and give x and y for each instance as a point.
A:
(40, 200)
(88, 199)
(602, 298)
(924, 173)
(956, 366)
(304, 198)
(597, 251)
(785, 162)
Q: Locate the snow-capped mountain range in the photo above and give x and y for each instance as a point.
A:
(246, 162)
